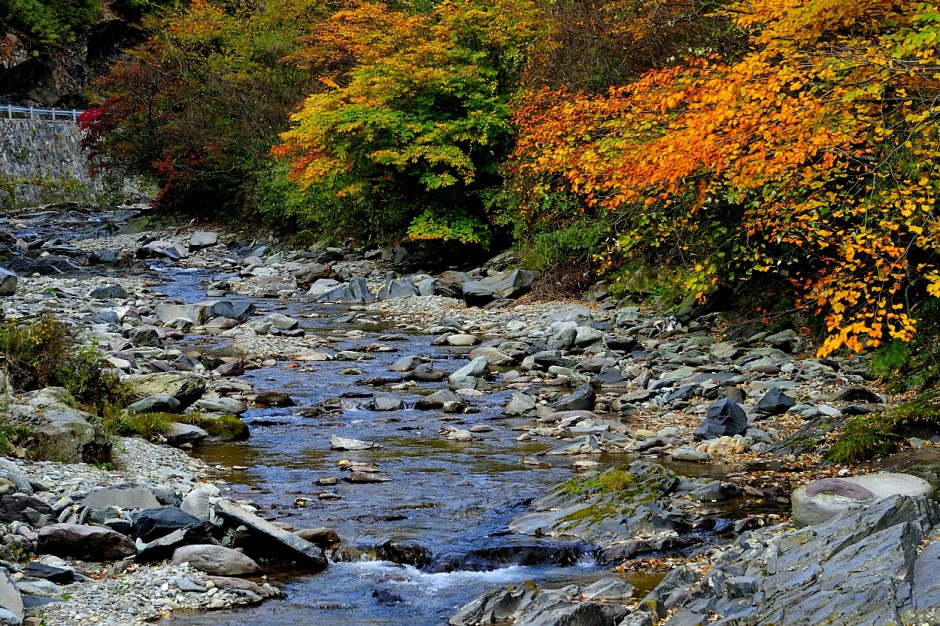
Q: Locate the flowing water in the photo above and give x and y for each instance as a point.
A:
(450, 501)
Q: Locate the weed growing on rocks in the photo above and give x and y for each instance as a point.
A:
(42, 353)
(879, 434)
(146, 425)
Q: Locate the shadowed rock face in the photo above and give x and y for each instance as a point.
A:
(60, 76)
(860, 567)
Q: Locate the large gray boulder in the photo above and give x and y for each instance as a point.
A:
(216, 560)
(723, 417)
(90, 543)
(179, 434)
(821, 500)
(129, 498)
(8, 282)
(186, 388)
(510, 284)
(202, 312)
(271, 540)
(399, 288)
(525, 606)
(67, 434)
(202, 239)
(10, 598)
(863, 566)
(356, 291)
(150, 524)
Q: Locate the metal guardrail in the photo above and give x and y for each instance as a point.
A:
(11, 112)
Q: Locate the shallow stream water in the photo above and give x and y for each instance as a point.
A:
(453, 499)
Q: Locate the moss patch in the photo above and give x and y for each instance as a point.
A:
(879, 434)
(228, 427)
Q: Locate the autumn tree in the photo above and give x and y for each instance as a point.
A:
(199, 107)
(812, 156)
(416, 111)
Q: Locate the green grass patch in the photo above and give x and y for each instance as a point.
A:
(146, 425)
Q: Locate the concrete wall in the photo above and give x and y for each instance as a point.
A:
(42, 162)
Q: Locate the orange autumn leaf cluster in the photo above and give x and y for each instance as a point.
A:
(814, 154)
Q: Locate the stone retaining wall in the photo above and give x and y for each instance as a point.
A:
(42, 162)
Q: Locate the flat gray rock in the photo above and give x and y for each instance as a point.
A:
(216, 560)
(303, 552)
(821, 500)
(130, 498)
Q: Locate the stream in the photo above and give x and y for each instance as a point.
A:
(449, 501)
(443, 516)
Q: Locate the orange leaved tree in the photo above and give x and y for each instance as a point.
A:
(814, 155)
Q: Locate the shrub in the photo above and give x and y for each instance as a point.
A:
(43, 353)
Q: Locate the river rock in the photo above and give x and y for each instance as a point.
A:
(511, 284)
(178, 434)
(404, 553)
(202, 239)
(66, 434)
(386, 403)
(359, 477)
(303, 552)
(526, 606)
(723, 417)
(397, 288)
(197, 504)
(425, 373)
(90, 543)
(273, 398)
(346, 443)
(356, 291)
(156, 404)
(563, 338)
(492, 355)
(186, 388)
(10, 598)
(16, 507)
(325, 538)
(217, 404)
(821, 500)
(858, 394)
(519, 404)
(216, 560)
(8, 282)
(150, 524)
(836, 572)
(581, 399)
(107, 292)
(437, 400)
(775, 402)
(202, 312)
(308, 273)
(129, 498)
(462, 340)
(470, 375)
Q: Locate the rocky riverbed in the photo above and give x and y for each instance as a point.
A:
(597, 393)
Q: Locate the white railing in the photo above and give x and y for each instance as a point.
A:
(11, 112)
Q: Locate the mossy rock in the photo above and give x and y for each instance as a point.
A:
(226, 427)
